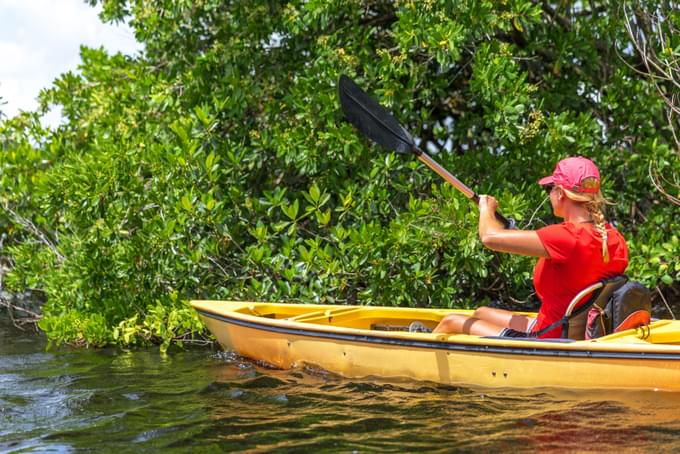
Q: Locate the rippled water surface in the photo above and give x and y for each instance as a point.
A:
(202, 400)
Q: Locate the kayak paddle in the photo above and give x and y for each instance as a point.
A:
(374, 121)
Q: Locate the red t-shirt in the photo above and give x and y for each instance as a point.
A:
(575, 262)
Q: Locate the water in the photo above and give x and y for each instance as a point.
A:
(203, 400)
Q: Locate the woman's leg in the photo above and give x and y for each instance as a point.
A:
(462, 324)
(506, 319)
(485, 321)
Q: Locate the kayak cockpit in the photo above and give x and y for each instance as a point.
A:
(355, 317)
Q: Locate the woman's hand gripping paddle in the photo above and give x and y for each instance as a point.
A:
(374, 121)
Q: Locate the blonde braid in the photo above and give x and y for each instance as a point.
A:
(595, 210)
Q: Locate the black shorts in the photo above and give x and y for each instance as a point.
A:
(509, 332)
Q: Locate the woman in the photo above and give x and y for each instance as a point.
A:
(572, 255)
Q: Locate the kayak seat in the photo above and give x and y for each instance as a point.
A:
(629, 307)
(575, 318)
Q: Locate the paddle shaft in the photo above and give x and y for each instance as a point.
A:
(445, 174)
(456, 183)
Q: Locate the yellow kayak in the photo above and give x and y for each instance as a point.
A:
(365, 341)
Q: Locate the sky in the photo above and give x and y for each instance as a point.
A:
(40, 39)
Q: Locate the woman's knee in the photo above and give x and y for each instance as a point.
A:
(451, 323)
(485, 313)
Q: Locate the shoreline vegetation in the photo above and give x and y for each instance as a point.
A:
(217, 163)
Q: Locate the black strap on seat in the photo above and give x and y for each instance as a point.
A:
(601, 294)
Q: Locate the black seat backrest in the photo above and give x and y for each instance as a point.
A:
(630, 306)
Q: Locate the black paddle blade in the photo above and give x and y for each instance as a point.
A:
(372, 119)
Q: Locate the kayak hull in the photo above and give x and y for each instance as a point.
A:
(344, 340)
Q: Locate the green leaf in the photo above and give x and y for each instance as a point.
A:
(291, 210)
(186, 203)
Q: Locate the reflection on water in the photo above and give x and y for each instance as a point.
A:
(130, 401)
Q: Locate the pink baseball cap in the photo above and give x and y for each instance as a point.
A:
(576, 174)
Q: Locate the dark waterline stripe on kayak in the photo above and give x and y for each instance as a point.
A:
(443, 345)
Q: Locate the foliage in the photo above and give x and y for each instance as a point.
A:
(217, 164)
